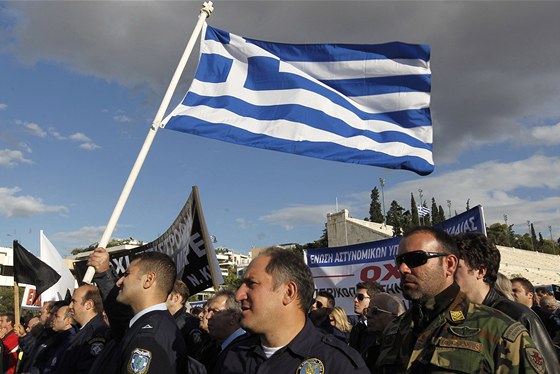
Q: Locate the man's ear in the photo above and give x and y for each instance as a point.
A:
(149, 279)
(88, 304)
(452, 263)
(290, 293)
(481, 272)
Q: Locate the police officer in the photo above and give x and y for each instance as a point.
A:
(152, 342)
(86, 307)
(194, 337)
(275, 295)
(443, 331)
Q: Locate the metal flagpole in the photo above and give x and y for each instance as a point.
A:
(205, 12)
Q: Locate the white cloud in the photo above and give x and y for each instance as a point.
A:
(89, 146)
(500, 187)
(295, 215)
(11, 158)
(56, 134)
(122, 118)
(3, 106)
(242, 223)
(24, 206)
(85, 235)
(79, 137)
(549, 135)
(25, 147)
(33, 128)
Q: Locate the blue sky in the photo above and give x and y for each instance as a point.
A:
(80, 83)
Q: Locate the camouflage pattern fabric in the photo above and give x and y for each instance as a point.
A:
(466, 338)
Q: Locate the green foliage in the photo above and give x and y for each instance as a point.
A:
(113, 243)
(415, 219)
(375, 213)
(232, 281)
(7, 298)
(395, 218)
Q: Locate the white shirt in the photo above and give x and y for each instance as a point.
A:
(161, 306)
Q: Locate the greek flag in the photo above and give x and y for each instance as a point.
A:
(365, 104)
(423, 211)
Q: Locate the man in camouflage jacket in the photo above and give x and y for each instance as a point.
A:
(443, 331)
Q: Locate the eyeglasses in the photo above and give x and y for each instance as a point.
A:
(317, 303)
(417, 258)
(216, 311)
(361, 296)
(375, 310)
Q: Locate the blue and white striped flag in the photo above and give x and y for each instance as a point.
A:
(423, 211)
(365, 104)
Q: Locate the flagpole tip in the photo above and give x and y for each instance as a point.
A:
(207, 7)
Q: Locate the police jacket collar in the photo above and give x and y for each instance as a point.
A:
(161, 306)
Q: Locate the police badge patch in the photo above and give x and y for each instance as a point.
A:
(311, 366)
(139, 361)
(96, 345)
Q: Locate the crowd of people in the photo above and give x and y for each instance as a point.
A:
(461, 316)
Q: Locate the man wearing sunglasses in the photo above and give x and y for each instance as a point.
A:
(382, 309)
(443, 331)
(360, 339)
(477, 274)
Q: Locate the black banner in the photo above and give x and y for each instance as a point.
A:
(186, 242)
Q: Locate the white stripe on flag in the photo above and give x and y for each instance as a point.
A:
(356, 106)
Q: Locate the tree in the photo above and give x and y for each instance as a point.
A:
(438, 215)
(498, 233)
(541, 242)
(7, 298)
(441, 214)
(414, 211)
(534, 237)
(232, 281)
(395, 218)
(113, 243)
(375, 213)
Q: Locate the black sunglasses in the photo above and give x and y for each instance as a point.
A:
(361, 297)
(318, 304)
(375, 310)
(417, 258)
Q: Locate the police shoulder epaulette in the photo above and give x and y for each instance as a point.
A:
(350, 353)
(513, 331)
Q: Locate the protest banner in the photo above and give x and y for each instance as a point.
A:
(338, 269)
(186, 241)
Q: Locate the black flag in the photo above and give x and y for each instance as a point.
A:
(29, 269)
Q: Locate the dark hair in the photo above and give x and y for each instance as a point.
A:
(525, 283)
(445, 240)
(329, 296)
(542, 290)
(371, 287)
(285, 266)
(196, 310)
(478, 251)
(182, 290)
(9, 317)
(57, 305)
(93, 294)
(162, 265)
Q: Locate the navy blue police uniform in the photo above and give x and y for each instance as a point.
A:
(309, 352)
(153, 344)
(85, 347)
